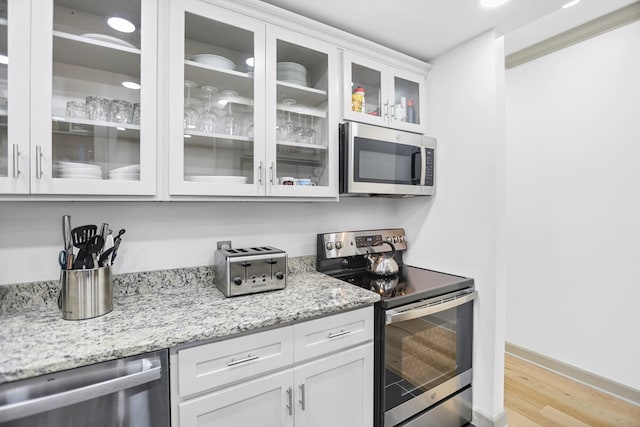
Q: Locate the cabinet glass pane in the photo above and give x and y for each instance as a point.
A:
(218, 103)
(301, 127)
(371, 81)
(406, 100)
(96, 93)
(4, 64)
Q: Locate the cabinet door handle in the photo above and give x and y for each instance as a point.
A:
(249, 358)
(301, 396)
(273, 171)
(385, 109)
(339, 334)
(38, 161)
(16, 164)
(290, 400)
(260, 172)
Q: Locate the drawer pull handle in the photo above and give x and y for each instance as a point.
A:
(249, 358)
(339, 334)
(16, 163)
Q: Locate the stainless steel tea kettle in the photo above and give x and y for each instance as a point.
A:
(383, 265)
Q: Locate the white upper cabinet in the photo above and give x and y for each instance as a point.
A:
(393, 97)
(14, 97)
(93, 97)
(302, 115)
(255, 117)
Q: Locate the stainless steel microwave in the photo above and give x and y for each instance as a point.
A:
(376, 161)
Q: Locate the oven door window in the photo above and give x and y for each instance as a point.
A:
(386, 162)
(423, 353)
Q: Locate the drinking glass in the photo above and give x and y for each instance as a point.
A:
(249, 129)
(136, 113)
(77, 110)
(208, 118)
(309, 136)
(98, 108)
(190, 114)
(120, 111)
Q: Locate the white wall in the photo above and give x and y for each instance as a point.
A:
(457, 230)
(178, 234)
(573, 132)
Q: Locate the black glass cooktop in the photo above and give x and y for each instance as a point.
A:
(409, 285)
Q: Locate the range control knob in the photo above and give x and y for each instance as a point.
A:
(338, 245)
(279, 275)
(329, 246)
(237, 280)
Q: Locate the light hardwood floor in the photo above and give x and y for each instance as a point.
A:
(537, 397)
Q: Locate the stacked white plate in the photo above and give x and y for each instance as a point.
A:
(292, 72)
(72, 170)
(219, 179)
(125, 173)
(214, 60)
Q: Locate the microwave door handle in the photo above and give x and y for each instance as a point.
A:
(423, 165)
(415, 180)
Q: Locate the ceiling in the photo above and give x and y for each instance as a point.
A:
(427, 28)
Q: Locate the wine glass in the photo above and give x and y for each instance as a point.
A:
(208, 118)
(309, 136)
(190, 114)
(229, 122)
(249, 129)
(288, 125)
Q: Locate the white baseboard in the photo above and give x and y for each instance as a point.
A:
(605, 385)
(481, 420)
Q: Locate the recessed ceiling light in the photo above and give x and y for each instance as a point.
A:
(250, 61)
(121, 24)
(571, 3)
(493, 3)
(4, 59)
(131, 85)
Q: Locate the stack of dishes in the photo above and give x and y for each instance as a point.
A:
(292, 72)
(218, 179)
(214, 60)
(71, 170)
(125, 173)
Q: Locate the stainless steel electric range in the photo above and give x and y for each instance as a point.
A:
(423, 330)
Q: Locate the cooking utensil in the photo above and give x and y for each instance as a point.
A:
(62, 259)
(383, 265)
(87, 257)
(103, 261)
(81, 235)
(68, 244)
(116, 245)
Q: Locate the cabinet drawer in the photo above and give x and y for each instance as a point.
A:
(328, 334)
(213, 365)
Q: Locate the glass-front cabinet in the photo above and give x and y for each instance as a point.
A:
(93, 97)
(14, 97)
(382, 95)
(301, 120)
(252, 116)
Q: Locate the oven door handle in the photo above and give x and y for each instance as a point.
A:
(426, 309)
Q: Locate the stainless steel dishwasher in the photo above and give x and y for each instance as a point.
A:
(133, 391)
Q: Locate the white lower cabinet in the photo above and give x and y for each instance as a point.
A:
(333, 387)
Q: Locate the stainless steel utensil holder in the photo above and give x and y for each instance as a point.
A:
(85, 293)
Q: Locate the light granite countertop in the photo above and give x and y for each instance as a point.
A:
(36, 340)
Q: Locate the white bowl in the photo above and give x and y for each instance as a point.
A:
(217, 179)
(214, 60)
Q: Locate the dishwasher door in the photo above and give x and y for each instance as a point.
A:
(133, 391)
